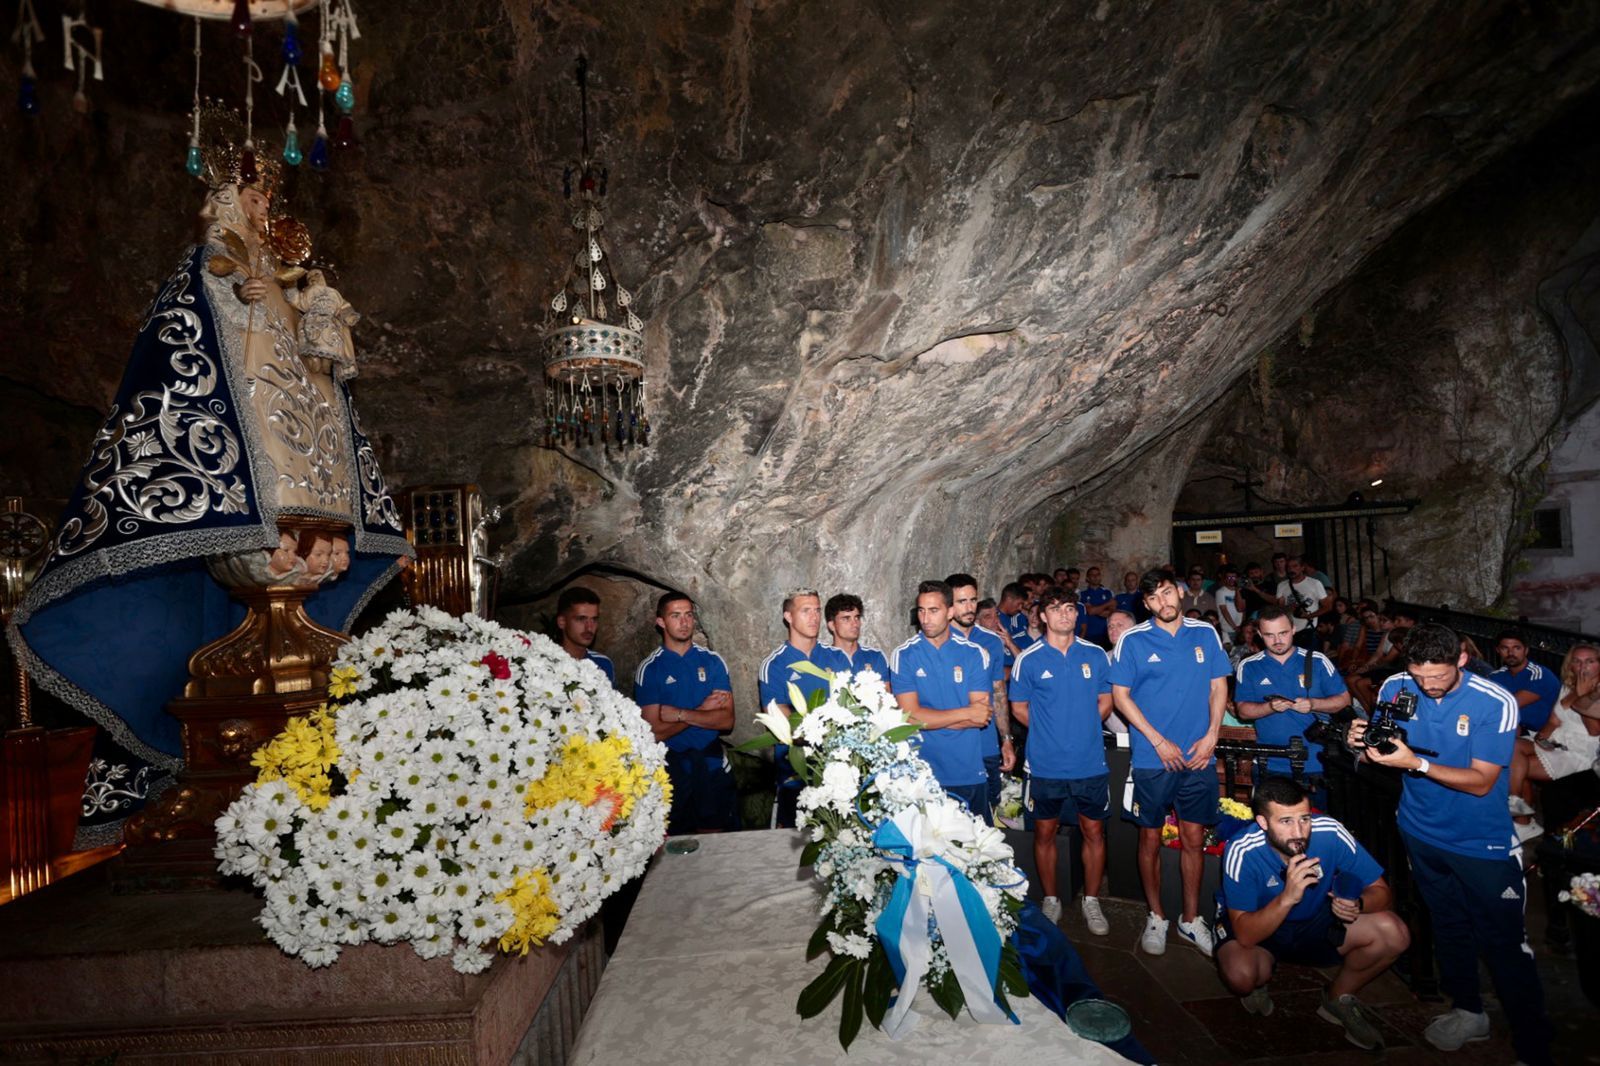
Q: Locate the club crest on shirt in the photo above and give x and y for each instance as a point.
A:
(1088, 674)
(1463, 726)
(702, 673)
(1199, 655)
(958, 675)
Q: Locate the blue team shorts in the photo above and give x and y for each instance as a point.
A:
(1307, 943)
(1054, 799)
(974, 797)
(1191, 793)
(703, 796)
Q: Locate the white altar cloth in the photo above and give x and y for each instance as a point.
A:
(713, 958)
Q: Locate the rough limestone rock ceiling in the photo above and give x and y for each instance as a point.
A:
(1436, 369)
(919, 276)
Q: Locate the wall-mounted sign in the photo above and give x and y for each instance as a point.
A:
(1208, 536)
(1287, 529)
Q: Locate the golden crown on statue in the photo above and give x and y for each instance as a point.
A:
(223, 146)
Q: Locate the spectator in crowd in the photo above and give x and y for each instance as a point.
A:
(1476, 663)
(1531, 685)
(1280, 570)
(1299, 888)
(1229, 610)
(1061, 691)
(942, 681)
(577, 620)
(1465, 858)
(1194, 596)
(1095, 604)
(1569, 741)
(1013, 612)
(1118, 623)
(686, 697)
(1254, 591)
(1348, 630)
(1130, 599)
(1069, 581)
(1247, 644)
(1306, 599)
(1169, 683)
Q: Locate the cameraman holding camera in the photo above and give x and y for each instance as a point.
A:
(1464, 855)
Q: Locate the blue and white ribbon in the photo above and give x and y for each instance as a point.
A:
(929, 886)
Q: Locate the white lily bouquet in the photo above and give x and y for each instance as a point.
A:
(467, 787)
(920, 894)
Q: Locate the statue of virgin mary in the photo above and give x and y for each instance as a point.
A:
(232, 424)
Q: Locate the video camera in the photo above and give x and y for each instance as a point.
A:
(1383, 726)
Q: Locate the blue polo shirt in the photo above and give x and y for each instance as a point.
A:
(990, 642)
(1016, 627)
(604, 663)
(865, 658)
(944, 679)
(1252, 870)
(1531, 678)
(778, 672)
(1260, 676)
(1092, 625)
(1169, 677)
(1476, 721)
(1062, 691)
(1133, 603)
(682, 681)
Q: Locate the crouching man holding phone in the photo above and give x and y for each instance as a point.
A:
(1299, 888)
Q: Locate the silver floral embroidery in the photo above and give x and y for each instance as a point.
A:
(169, 457)
(377, 506)
(108, 788)
(301, 419)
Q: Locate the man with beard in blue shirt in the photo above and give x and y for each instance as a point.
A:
(843, 614)
(1465, 857)
(998, 753)
(1169, 683)
(1271, 690)
(942, 681)
(1534, 688)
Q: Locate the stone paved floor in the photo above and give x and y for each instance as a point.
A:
(1184, 1015)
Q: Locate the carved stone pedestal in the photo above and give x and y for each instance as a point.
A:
(242, 689)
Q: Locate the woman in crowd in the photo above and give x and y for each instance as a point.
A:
(1568, 743)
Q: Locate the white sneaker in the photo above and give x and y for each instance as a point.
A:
(1197, 933)
(1530, 831)
(1451, 1030)
(1153, 941)
(1095, 917)
(1052, 908)
(1519, 806)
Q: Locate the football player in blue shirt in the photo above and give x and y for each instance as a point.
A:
(802, 618)
(1169, 682)
(1095, 604)
(577, 620)
(1061, 690)
(843, 614)
(1130, 599)
(684, 692)
(1270, 689)
(1534, 687)
(1298, 888)
(942, 680)
(998, 753)
(1465, 857)
(1013, 611)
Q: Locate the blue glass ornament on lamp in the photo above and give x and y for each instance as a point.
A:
(291, 147)
(193, 163)
(291, 42)
(319, 150)
(28, 96)
(345, 97)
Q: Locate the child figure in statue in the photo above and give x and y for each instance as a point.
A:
(232, 424)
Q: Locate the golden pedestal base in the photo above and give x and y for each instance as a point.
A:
(243, 689)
